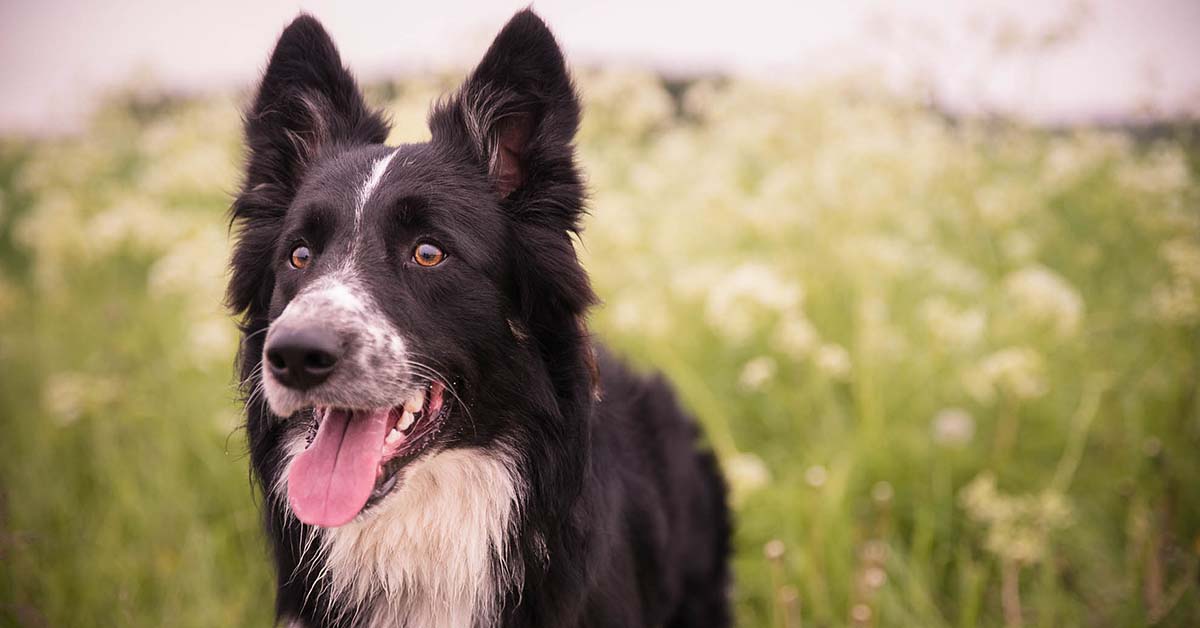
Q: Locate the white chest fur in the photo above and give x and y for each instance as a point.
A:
(432, 554)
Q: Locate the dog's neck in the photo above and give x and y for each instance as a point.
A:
(435, 553)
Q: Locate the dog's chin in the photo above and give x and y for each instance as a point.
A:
(402, 432)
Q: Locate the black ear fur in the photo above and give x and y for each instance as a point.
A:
(307, 101)
(516, 116)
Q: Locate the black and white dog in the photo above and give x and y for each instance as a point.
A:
(437, 440)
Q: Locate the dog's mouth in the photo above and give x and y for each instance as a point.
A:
(356, 457)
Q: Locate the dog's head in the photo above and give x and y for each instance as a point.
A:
(397, 299)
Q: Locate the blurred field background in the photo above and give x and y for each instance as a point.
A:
(949, 363)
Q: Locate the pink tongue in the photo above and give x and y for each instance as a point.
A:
(331, 480)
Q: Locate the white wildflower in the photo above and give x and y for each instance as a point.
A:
(833, 360)
(1175, 302)
(951, 326)
(187, 270)
(1003, 203)
(1017, 372)
(796, 336)
(774, 549)
(882, 492)
(628, 103)
(1042, 295)
(695, 280)
(1073, 156)
(874, 577)
(953, 427)
(195, 169)
(746, 473)
(69, 395)
(736, 300)
(1019, 528)
(1182, 256)
(886, 255)
(756, 373)
(136, 222)
(626, 315)
(1164, 170)
(1176, 299)
(1063, 162)
(878, 335)
(816, 476)
(955, 275)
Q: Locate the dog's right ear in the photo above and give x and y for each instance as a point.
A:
(306, 103)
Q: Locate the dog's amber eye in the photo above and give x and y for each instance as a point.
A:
(301, 257)
(427, 254)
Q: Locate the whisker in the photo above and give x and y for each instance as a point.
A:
(257, 370)
(257, 394)
(433, 373)
(253, 334)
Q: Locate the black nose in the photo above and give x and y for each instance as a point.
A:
(302, 357)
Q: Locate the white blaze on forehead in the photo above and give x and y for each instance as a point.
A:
(369, 185)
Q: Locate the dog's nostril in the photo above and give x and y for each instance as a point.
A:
(276, 359)
(319, 360)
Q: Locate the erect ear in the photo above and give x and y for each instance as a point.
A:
(306, 103)
(516, 116)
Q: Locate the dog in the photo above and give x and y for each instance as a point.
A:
(437, 439)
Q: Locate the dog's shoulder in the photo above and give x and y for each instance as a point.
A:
(641, 402)
(657, 487)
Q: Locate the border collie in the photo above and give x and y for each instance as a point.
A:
(438, 441)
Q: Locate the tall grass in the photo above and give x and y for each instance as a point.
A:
(949, 366)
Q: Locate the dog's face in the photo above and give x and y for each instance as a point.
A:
(385, 287)
(388, 291)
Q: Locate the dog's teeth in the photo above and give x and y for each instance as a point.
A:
(415, 404)
(392, 437)
(406, 421)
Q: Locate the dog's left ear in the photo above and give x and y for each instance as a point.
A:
(516, 117)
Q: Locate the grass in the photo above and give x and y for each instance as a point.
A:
(949, 366)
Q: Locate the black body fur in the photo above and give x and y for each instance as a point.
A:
(624, 522)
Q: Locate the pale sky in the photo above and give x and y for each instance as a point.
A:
(1126, 58)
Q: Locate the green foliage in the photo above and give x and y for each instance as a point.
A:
(950, 367)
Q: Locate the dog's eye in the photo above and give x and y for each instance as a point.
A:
(427, 254)
(301, 257)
